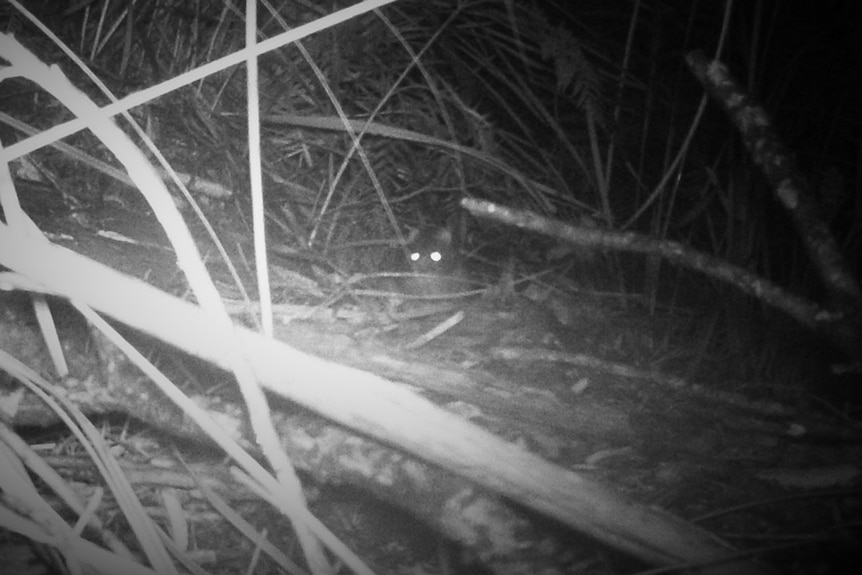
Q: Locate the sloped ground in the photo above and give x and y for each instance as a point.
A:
(766, 468)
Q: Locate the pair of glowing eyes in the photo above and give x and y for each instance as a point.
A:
(435, 256)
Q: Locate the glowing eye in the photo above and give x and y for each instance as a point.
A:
(436, 256)
(414, 256)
